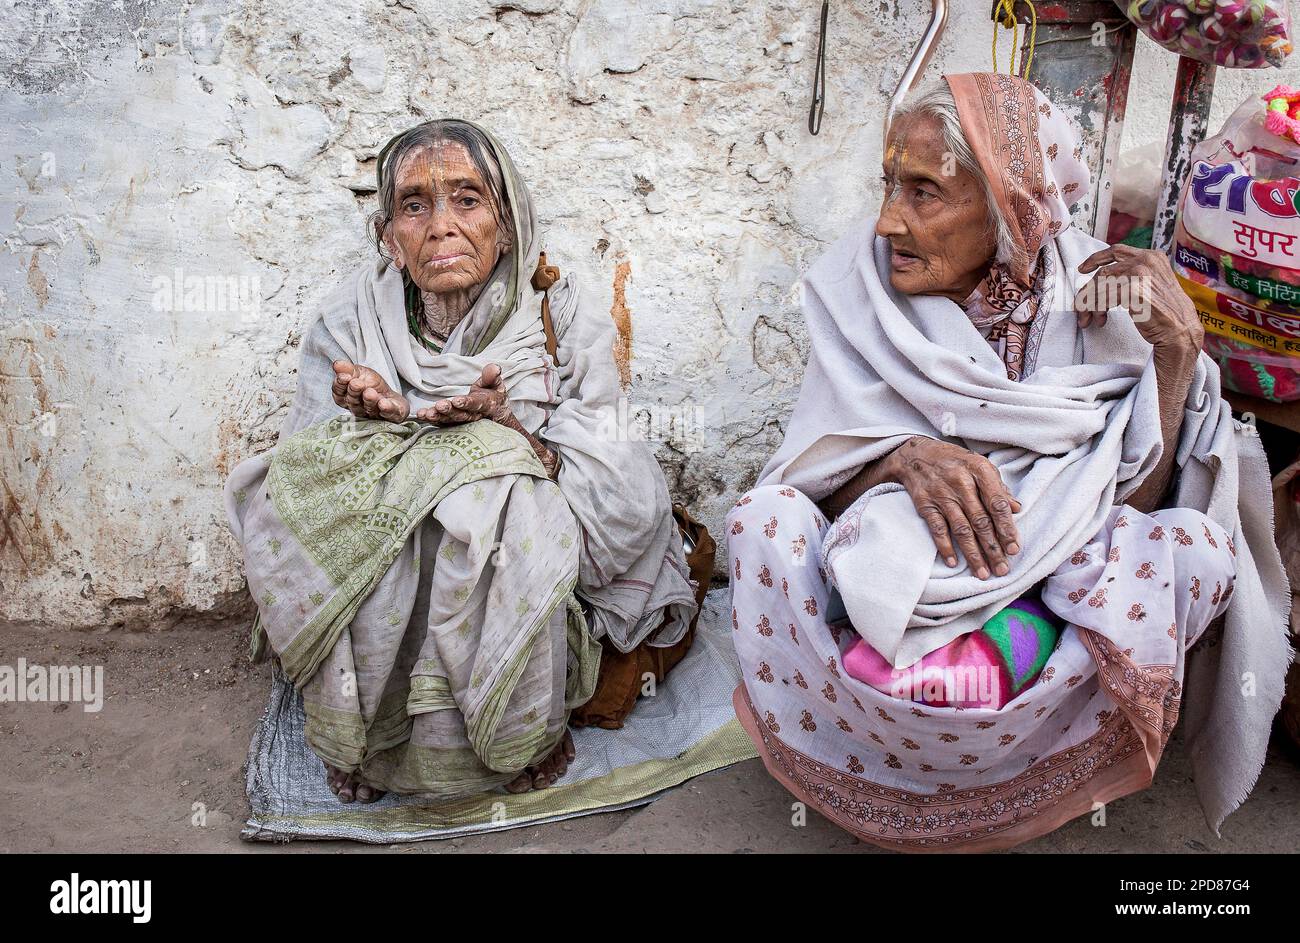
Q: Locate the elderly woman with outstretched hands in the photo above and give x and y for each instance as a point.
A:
(446, 535)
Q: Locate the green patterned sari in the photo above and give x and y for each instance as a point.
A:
(441, 680)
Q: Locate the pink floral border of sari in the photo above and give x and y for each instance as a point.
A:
(1120, 758)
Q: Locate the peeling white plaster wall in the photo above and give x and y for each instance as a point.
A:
(236, 140)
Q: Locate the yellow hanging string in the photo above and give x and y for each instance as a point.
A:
(1033, 38)
(1004, 17)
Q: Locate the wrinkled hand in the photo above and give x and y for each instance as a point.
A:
(961, 498)
(364, 393)
(1142, 281)
(486, 399)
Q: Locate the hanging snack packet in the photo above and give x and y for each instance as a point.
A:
(1236, 252)
(1235, 34)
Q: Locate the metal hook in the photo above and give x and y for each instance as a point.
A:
(819, 77)
(920, 58)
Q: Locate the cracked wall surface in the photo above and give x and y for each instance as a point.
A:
(184, 182)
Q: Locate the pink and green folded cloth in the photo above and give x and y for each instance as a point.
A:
(983, 669)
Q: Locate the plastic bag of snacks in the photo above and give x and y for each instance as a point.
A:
(1236, 251)
(1236, 34)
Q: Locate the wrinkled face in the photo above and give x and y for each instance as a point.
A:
(444, 229)
(934, 214)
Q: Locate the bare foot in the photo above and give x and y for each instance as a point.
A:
(348, 788)
(543, 774)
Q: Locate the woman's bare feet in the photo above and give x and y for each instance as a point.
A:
(348, 788)
(543, 774)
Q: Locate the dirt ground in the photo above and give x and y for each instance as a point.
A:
(179, 711)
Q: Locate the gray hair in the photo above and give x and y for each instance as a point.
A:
(428, 134)
(937, 102)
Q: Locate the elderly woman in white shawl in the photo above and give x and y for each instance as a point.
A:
(1006, 506)
(448, 525)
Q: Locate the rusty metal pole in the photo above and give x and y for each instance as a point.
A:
(1188, 117)
(1082, 61)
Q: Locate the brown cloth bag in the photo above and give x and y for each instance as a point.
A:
(622, 674)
